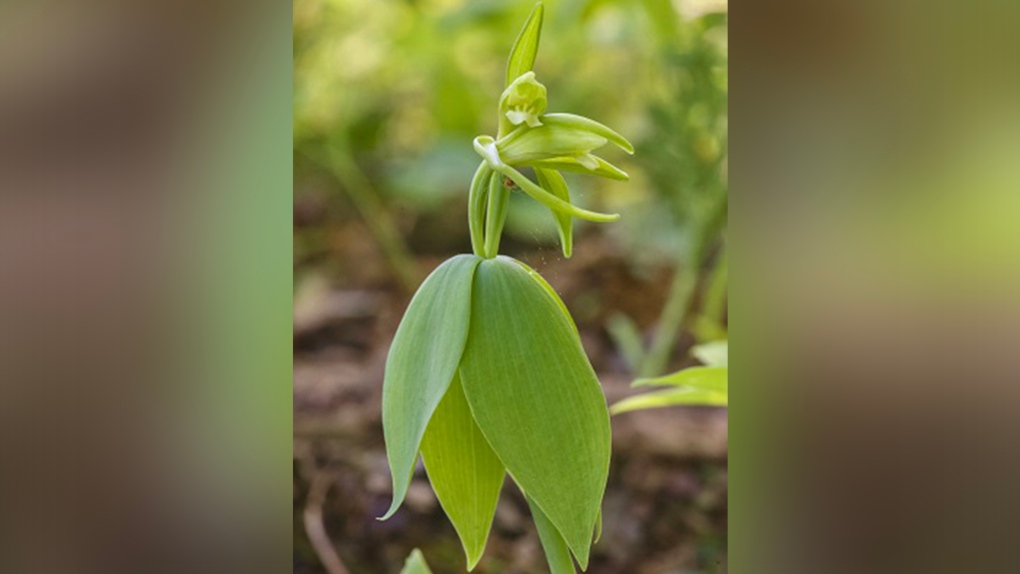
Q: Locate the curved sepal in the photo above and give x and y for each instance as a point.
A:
(536, 398)
(551, 201)
(465, 474)
(552, 180)
(422, 362)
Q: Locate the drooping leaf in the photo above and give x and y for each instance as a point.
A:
(552, 181)
(416, 564)
(536, 399)
(712, 379)
(556, 552)
(465, 474)
(713, 354)
(422, 362)
(671, 398)
(522, 55)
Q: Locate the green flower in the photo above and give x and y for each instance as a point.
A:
(548, 143)
(523, 101)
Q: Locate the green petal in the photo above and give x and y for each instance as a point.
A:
(547, 142)
(671, 398)
(465, 474)
(556, 552)
(536, 398)
(415, 564)
(554, 182)
(550, 200)
(704, 378)
(588, 124)
(422, 362)
(522, 55)
(603, 169)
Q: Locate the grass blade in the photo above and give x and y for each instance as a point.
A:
(704, 378)
(671, 398)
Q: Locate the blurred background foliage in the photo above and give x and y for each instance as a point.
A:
(388, 95)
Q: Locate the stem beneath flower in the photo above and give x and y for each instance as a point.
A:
(499, 198)
(476, 207)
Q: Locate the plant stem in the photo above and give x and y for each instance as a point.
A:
(685, 282)
(366, 200)
(477, 199)
(499, 198)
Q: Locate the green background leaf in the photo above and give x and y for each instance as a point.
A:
(522, 56)
(671, 398)
(536, 398)
(422, 362)
(416, 564)
(704, 378)
(713, 354)
(465, 474)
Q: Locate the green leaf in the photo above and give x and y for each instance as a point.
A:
(714, 354)
(522, 55)
(536, 398)
(704, 378)
(548, 289)
(556, 551)
(416, 564)
(588, 124)
(669, 398)
(465, 474)
(598, 527)
(554, 182)
(550, 200)
(422, 362)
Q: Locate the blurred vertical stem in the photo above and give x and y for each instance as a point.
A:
(681, 293)
(366, 200)
(709, 325)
